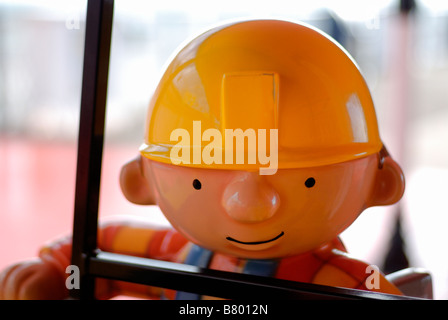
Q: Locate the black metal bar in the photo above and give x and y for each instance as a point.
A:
(93, 263)
(90, 142)
(407, 6)
(216, 283)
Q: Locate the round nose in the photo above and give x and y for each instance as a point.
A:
(248, 198)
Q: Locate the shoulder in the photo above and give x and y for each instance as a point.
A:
(340, 269)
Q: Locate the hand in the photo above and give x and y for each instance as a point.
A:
(32, 280)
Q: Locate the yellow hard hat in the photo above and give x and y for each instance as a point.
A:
(264, 74)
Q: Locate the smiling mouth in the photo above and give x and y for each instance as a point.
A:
(256, 242)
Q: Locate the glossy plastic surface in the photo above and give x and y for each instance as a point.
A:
(265, 74)
(245, 214)
(332, 165)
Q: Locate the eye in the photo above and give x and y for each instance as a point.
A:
(197, 184)
(310, 182)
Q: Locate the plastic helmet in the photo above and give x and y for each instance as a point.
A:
(265, 74)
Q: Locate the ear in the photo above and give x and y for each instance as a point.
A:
(134, 184)
(389, 183)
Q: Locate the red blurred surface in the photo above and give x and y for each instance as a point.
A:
(37, 188)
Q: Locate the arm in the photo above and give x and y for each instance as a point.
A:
(44, 277)
(138, 239)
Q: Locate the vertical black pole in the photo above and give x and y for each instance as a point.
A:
(90, 142)
(396, 258)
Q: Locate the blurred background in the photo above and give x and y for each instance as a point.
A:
(400, 46)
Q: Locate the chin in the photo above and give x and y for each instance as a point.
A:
(258, 252)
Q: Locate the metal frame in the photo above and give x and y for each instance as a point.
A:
(92, 262)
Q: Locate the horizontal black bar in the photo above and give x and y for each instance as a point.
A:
(216, 283)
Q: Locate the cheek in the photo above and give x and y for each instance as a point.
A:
(319, 214)
(194, 213)
(174, 197)
(316, 203)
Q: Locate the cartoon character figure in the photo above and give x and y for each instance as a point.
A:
(261, 147)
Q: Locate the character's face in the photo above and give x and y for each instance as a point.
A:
(249, 215)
